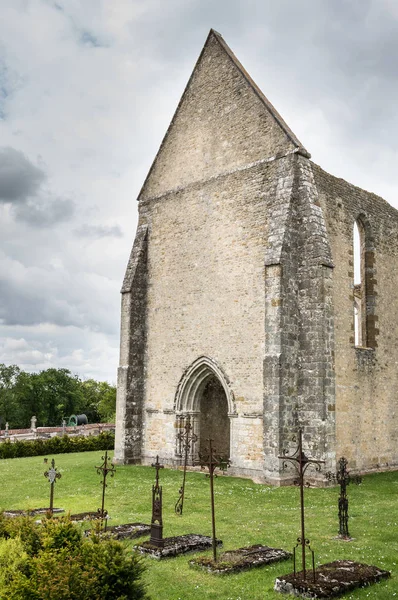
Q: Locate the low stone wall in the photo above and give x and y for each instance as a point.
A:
(47, 432)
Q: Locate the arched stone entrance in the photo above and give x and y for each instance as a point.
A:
(204, 394)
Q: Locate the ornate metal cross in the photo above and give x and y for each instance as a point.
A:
(301, 463)
(52, 475)
(186, 438)
(107, 468)
(210, 459)
(343, 478)
(157, 520)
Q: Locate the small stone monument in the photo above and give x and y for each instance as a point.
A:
(33, 424)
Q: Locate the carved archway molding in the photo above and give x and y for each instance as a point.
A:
(192, 383)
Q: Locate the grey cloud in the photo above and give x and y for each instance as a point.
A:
(89, 39)
(54, 296)
(99, 231)
(28, 307)
(44, 213)
(19, 177)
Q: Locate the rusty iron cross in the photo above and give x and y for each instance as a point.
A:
(157, 466)
(157, 519)
(210, 459)
(52, 475)
(343, 478)
(105, 469)
(186, 438)
(301, 463)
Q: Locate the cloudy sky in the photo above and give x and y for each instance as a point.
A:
(87, 89)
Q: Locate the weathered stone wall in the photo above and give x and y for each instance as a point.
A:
(206, 297)
(366, 378)
(221, 124)
(131, 372)
(298, 365)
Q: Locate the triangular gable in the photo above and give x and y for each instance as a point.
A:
(222, 122)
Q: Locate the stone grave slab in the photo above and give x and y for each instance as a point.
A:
(84, 516)
(30, 513)
(174, 546)
(331, 580)
(241, 559)
(127, 531)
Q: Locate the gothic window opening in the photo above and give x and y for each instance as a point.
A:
(365, 319)
(359, 291)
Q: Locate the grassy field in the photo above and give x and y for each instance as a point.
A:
(247, 513)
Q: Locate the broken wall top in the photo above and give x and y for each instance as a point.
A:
(223, 122)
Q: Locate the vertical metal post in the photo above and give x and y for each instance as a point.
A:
(301, 483)
(211, 460)
(213, 512)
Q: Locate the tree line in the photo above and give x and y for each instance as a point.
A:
(52, 395)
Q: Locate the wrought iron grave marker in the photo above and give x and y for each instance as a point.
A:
(210, 459)
(343, 478)
(185, 439)
(52, 475)
(301, 463)
(107, 468)
(157, 520)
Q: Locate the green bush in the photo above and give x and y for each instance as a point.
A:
(64, 565)
(57, 445)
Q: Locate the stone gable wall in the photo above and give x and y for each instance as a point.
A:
(220, 125)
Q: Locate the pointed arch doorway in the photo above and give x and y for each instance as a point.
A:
(204, 394)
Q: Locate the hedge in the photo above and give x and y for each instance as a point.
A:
(54, 561)
(57, 445)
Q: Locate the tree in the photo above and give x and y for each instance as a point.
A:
(99, 400)
(8, 404)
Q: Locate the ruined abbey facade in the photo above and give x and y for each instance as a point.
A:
(240, 307)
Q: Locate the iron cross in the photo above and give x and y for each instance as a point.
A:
(186, 438)
(104, 470)
(157, 466)
(212, 461)
(301, 463)
(52, 475)
(343, 478)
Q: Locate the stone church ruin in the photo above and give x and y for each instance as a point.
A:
(240, 306)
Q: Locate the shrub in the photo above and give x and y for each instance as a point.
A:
(57, 445)
(66, 566)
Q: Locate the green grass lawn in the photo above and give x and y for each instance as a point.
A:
(247, 513)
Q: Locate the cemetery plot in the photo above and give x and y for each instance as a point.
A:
(301, 462)
(180, 544)
(160, 547)
(123, 531)
(241, 559)
(331, 580)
